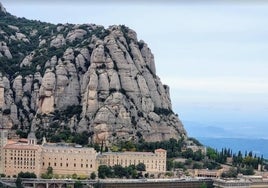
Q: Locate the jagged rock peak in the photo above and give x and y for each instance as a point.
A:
(2, 9)
(82, 83)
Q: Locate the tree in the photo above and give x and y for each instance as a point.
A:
(18, 183)
(246, 171)
(2, 175)
(231, 173)
(134, 174)
(169, 164)
(211, 153)
(119, 171)
(96, 147)
(198, 156)
(74, 176)
(131, 171)
(93, 176)
(104, 171)
(26, 175)
(48, 174)
(204, 185)
(78, 184)
(197, 166)
(49, 170)
(188, 162)
(141, 167)
(188, 153)
(178, 164)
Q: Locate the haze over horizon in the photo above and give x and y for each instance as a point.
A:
(212, 55)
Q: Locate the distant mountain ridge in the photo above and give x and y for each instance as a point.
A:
(226, 129)
(257, 146)
(81, 82)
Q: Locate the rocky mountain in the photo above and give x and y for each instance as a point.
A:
(70, 82)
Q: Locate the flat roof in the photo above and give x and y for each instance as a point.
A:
(20, 146)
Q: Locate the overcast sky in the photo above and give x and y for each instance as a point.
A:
(212, 55)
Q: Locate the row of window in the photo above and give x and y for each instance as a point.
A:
(131, 156)
(67, 151)
(147, 166)
(22, 159)
(21, 167)
(67, 165)
(24, 164)
(66, 159)
(22, 151)
(139, 161)
(28, 155)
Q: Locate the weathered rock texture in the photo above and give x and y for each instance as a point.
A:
(82, 79)
(2, 9)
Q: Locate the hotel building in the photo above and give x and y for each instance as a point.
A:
(154, 162)
(25, 155)
(66, 160)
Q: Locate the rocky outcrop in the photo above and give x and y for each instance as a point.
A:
(21, 36)
(76, 34)
(27, 60)
(4, 50)
(58, 41)
(2, 9)
(83, 79)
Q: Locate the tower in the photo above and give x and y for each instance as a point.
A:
(32, 139)
(31, 136)
(3, 142)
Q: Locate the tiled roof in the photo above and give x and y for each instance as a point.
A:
(22, 146)
(11, 142)
(24, 140)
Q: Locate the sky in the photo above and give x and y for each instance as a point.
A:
(212, 54)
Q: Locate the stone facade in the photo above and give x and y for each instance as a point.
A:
(25, 155)
(22, 157)
(3, 142)
(67, 160)
(154, 162)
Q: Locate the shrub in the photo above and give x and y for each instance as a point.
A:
(93, 176)
(163, 111)
(6, 112)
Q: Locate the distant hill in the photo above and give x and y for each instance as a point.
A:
(195, 129)
(257, 146)
(226, 129)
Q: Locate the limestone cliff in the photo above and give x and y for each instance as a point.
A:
(65, 79)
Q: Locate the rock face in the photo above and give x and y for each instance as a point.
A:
(2, 9)
(85, 79)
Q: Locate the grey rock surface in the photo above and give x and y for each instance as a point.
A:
(85, 78)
